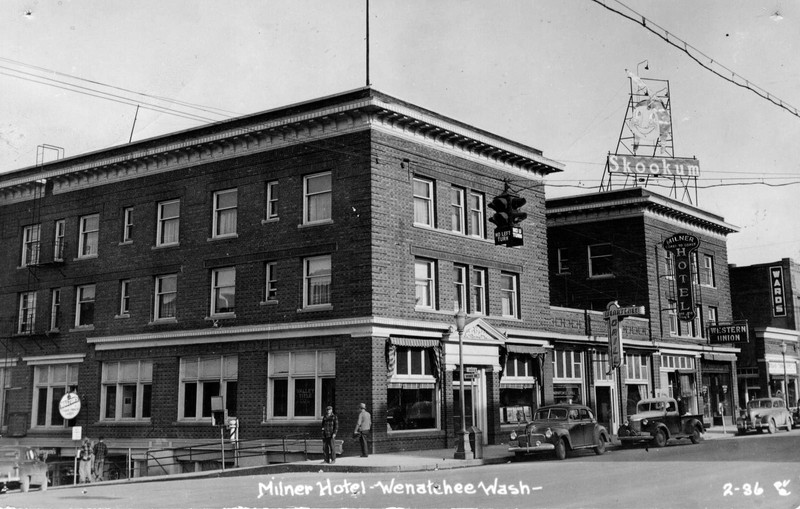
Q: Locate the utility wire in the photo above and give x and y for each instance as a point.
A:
(712, 65)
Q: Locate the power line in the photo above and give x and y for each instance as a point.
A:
(687, 48)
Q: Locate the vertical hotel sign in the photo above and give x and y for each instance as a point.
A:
(777, 290)
(681, 245)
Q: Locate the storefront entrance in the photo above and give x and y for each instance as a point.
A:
(604, 399)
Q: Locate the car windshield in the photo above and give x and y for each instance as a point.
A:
(647, 406)
(558, 414)
(760, 403)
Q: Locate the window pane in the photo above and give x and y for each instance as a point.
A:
(328, 393)
(280, 398)
(231, 394)
(55, 415)
(111, 402)
(147, 395)
(190, 399)
(41, 406)
(411, 409)
(402, 361)
(304, 397)
(209, 389)
(128, 401)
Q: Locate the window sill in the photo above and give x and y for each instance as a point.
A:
(124, 422)
(160, 321)
(602, 276)
(126, 315)
(270, 220)
(166, 246)
(126, 242)
(86, 257)
(423, 431)
(273, 421)
(268, 302)
(220, 316)
(311, 309)
(315, 223)
(228, 236)
(82, 328)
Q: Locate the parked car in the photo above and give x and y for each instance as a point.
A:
(764, 414)
(795, 411)
(560, 428)
(20, 464)
(659, 419)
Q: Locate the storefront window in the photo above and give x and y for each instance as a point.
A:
(411, 409)
(567, 393)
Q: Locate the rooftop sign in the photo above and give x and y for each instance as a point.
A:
(654, 166)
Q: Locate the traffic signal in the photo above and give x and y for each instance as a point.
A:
(516, 216)
(502, 208)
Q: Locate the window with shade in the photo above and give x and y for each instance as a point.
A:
(225, 207)
(317, 198)
(317, 281)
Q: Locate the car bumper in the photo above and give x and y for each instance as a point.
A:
(626, 434)
(747, 426)
(547, 446)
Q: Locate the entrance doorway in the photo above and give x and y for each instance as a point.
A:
(605, 406)
(475, 400)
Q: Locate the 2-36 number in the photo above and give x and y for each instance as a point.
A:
(747, 489)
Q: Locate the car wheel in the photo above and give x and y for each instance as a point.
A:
(772, 428)
(600, 448)
(695, 438)
(661, 438)
(789, 424)
(25, 483)
(561, 450)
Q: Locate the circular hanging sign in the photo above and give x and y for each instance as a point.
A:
(69, 406)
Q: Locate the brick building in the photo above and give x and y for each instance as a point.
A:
(299, 257)
(765, 296)
(608, 246)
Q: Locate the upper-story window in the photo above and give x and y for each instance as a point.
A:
(58, 240)
(425, 283)
(125, 297)
(672, 314)
(202, 378)
(317, 197)
(707, 271)
(713, 315)
(567, 365)
(271, 282)
(55, 309)
(166, 297)
(84, 306)
(423, 202)
(169, 218)
(225, 207)
(50, 383)
(476, 215)
(127, 224)
(458, 214)
(126, 390)
(509, 295)
(460, 287)
(413, 362)
(479, 291)
(600, 258)
(30, 244)
(669, 265)
(27, 313)
(697, 323)
(562, 255)
(317, 281)
(272, 200)
(89, 236)
(223, 290)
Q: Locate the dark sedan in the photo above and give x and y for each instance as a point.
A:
(560, 428)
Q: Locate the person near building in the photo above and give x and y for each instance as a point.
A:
(85, 459)
(363, 426)
(330, 426)
(100, 452)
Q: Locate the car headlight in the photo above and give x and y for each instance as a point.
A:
(513, 435)
(644, 422)
(548, 433)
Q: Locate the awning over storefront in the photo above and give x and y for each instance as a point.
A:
(415, 342)
(531, 350)
(433, 346)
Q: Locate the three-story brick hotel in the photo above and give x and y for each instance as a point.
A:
(308, 256)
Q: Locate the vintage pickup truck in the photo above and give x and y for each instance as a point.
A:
(657, 420)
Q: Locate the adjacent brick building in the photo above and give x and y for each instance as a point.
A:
(765, 296)
(608, 246)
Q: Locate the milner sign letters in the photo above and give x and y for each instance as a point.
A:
(681, 246)
(654, 166)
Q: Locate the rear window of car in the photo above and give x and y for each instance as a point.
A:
(559, 414)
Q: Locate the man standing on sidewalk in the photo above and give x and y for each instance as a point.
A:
(363, 426)
(330, 426)
(100, 452)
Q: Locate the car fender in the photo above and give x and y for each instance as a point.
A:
(660, 426)
(561, 434)
(601, 434)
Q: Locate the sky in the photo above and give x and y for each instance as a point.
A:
(551, 74)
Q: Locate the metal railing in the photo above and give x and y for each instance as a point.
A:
(227, 454)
